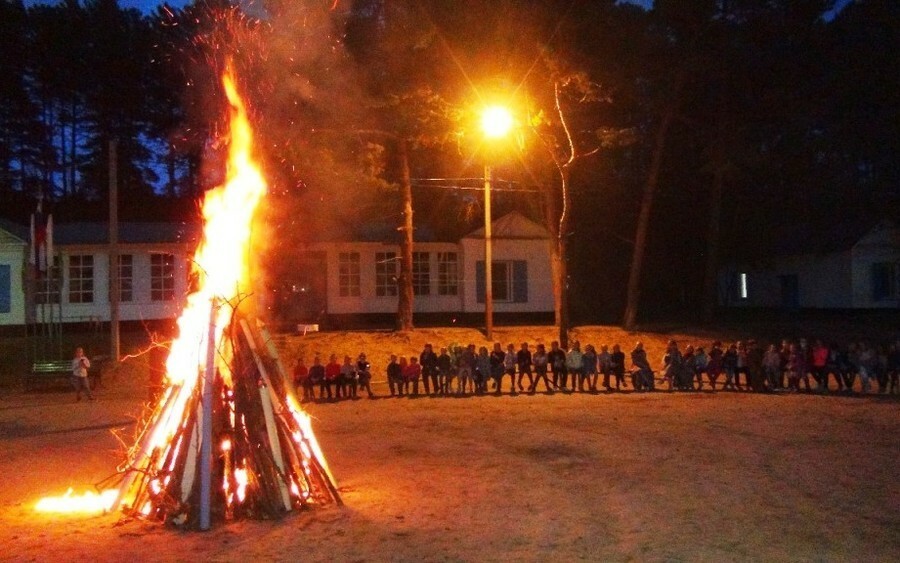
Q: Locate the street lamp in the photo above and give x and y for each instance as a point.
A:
(496, 122)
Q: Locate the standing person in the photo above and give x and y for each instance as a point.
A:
(772, 367)
(348, 378)
(617, 366)
(482, 370)
(428, 361)
(466, 373)
(301, 379)
(509, 367)
(741, 366)
(541, 361)
(701, 360)
(893, 368)
(523, 362)
(689, 361)
(574, 366)
(604, 365)
(364, 374)
(557, 358)
(795, 366)
(785, 358)
(729, 366)
(317, 377)
(836, 365)
(445, 365)
(404, 382)
(867, 361)
(497, 357)
(806, 352)
(395, 376)
(333, 377)
(755, 367)
(819, 355)
(714, 365)
(80, 366)
(589, 366)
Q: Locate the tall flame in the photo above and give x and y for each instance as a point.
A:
(222, 265)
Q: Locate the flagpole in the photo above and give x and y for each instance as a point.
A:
(114, 282)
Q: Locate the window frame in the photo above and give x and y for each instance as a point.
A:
(349, 279)
(81, 278)
(162, 277)
(386, 274)
(448, 273)
(421, 273)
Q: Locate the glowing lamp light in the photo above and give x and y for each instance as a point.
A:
(496, 121)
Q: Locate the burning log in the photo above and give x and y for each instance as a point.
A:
(265, 458)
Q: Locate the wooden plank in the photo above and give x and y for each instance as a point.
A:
(269, 413)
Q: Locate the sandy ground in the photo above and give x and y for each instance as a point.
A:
(664, 476)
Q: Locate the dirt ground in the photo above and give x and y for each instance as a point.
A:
(663, 476)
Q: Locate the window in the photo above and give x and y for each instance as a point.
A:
(162, 277)
(126, 278)
(500, 281)
(81, 278)
(509, 281)
(385, 274)
(5, 288)
(47, 286)
(448, 273)
(742, 286)
(421, 273)
(348, 274)
(884, 281)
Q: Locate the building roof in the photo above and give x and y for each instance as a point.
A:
(835, 238)
(98, 232)
(12, 232)
(513, 225)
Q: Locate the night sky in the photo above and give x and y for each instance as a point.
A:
(149, 5)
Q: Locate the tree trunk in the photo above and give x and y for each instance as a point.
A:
(404, 283)
(640, 239)
(562, 271)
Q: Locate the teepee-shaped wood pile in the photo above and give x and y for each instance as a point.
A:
(260, 459)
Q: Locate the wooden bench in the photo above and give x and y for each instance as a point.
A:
(47, 372)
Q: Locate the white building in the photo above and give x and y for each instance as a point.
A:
(153, 272)
(846, 270)
(360, 278)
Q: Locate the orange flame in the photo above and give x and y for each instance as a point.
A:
(88, 502)
(221, 261)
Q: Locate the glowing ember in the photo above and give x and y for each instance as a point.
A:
(69, 503)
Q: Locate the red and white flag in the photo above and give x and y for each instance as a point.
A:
(41, 254)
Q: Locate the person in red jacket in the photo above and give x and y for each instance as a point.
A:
(411, 374)
(819, 365)
(332, 376)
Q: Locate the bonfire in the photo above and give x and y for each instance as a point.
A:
(227, 438)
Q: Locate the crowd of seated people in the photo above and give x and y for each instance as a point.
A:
(457, 370)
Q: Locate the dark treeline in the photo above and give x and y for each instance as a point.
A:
(697, 131)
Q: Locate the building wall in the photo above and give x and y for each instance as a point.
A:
(536, 252)
(142, 307)
(12, 256)
(879, 246)
(368, 301)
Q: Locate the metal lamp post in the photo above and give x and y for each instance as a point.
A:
(496, 122)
